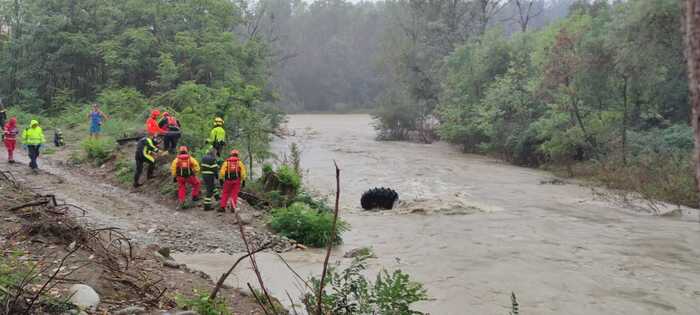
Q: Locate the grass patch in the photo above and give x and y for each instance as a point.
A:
(98, 150)
(306, 225)
(48, 151)
(124, 171)
(202, 304)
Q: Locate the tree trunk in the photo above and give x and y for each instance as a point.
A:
(692, 46)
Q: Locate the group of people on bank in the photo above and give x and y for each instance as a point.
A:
(223, 176)
(229, 174)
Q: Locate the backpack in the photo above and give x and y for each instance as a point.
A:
(184, 169)
(233, 172)
(172, 123)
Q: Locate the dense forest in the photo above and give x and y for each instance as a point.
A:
(197, 59)
(596, 87)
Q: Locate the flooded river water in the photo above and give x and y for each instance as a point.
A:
(473, 230)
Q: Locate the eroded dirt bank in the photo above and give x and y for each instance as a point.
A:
(473, 229)
(142, 214)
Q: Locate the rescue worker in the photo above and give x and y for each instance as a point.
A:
(10, 138)
(33, 138)
(184, 170)
(145, 150)
(210, 171)
(171, 128)
(58, 138)
(233, 173)
(96, 117)
(3, 114)
(217, 136)
(152, 124)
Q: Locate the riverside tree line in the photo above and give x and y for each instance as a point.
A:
(596, 88)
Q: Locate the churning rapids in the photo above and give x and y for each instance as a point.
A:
(473, 230)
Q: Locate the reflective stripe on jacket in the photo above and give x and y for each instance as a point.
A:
(209, 165)
(147, 148)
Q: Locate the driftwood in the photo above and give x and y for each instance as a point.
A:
(224, 276)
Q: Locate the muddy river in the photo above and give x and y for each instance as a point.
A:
(473, 230)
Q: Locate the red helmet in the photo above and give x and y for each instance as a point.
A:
(183, 149)
(234, 152)
(166, 114)
(155, 113)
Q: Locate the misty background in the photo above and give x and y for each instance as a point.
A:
(330, 55)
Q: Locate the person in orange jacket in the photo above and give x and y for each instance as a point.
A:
(152, 127)
(233, 173)
(184, 170)
(10, 133)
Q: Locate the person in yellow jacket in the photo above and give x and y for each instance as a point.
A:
(184, 170)
(233, 173)
(33, 138)
(217, 136)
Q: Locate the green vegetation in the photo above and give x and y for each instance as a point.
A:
(602, 92)
(19, 277)
(202, 304)
(306, 225)
(98, 150)
(349, 292)
(130, 57)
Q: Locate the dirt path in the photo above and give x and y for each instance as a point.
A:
(137, 213)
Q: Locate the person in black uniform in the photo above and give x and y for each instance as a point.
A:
(3, 115)
(210, 171)
(146, 149)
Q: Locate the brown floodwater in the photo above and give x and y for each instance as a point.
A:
(473, 229)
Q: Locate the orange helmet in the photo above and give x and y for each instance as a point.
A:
(234, 152)
(183, 149)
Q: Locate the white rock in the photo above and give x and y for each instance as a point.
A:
(84, 297)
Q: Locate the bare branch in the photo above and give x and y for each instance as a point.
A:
(319, 299)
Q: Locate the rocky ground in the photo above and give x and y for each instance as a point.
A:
(88, 263)
(144, 214)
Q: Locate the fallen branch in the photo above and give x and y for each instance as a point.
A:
(294, 272)
(258, 299)
(291, 302)
(224, 276)
(29, 204)
(254, 264)
(319, 299)
(51, 278)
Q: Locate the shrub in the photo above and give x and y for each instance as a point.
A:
(98, 150)
(202, 305)
(124, 170)
(306, 225)
(349, 292)
(289, 178)
(316, 204)
(652, 176)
